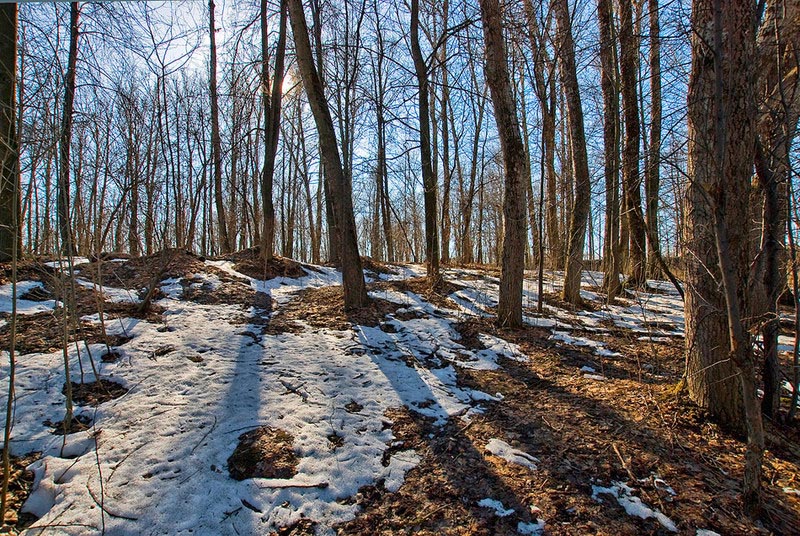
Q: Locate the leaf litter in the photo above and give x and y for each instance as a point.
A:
(273, 412)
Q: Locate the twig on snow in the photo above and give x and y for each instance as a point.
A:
(104, 509)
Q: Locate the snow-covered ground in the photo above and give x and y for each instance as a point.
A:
(156, 458)
(24, 307)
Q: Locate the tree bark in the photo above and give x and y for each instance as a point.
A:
(720, 122)
(428, 178)
(653, 171)
(612, 256)
(272, 118)
(722, 149)
(355, 294)
(65, 142)
(517, 172)
(778, 41)
(629, 53)
(216, 142)
(9, 149)
(577, 138)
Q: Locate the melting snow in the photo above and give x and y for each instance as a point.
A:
(531, 529)
(633, 505)
(163, 447)
(497, 506)
(24, 307)
(599, 348)
(503, 450)
(112, 294)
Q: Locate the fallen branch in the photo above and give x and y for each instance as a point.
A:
(625, 464)
(213, 427)
(289, 484)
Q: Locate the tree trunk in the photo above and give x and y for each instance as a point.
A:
(428, 178)
(611, 137)
(355, 294)
(216, 142)
(382, 171)
(629, 53)
(63, 199)
(778, 41)
(9, 149)
(272, 118)
(722, 145)
(653, 172)
(545, 91)
(577, 138)
(509, 310)
(443, 116)
(719, 122)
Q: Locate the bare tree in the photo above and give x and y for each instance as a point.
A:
(65, 142)
(779, 110)
(577, 138)
(9, 205)
(355, 294)
(629, 53)
(517, 171)
(428, 178)
(653, 170)
(9, 151)
(722, 135)
(225, 243)
(272, 115)
(544, 86)
(612, 255)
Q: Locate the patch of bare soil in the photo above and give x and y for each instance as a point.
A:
(95, 393)
(27, 270)
(324, 308)
(630, 428)
(438, 295)
(554, 299)
(263, 453)
(79, 423)
(376, 267)
(19, 487)
(486, 269)
(250, 263)
(43, 333)
(232, 291)
(142, 272)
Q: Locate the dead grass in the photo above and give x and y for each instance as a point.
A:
(19, 487)
(95, 393)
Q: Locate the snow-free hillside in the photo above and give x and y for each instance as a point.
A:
(321, 396)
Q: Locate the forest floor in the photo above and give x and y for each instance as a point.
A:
(238, 398)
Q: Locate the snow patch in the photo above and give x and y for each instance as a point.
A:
(399, 465)
(497, 506)
(633, 505)
(531, 529)
(503, 450)
(112, 294)
(24, 307)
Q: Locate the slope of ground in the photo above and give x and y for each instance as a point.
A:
(250, 406)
